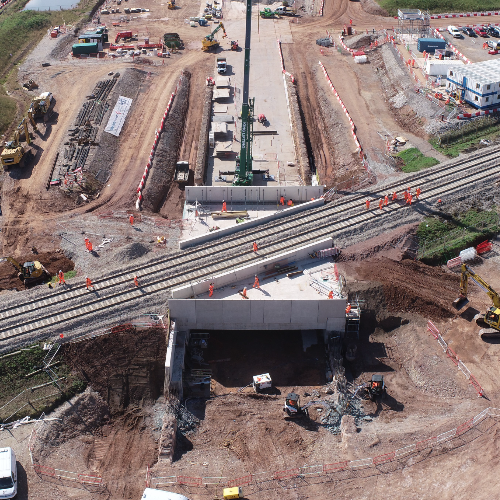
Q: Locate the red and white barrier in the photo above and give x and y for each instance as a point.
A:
(467, 14)
(454, 357)
(353, 127)
(478, 113)
(453, 48)
(283, 64)
(322, 7)
(142, 182)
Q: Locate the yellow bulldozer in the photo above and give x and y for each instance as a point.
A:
(492, 316)
(14, 153)
(210, 42)
(30, 272)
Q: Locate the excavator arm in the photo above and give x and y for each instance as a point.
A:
(469, 273)
(13, 262)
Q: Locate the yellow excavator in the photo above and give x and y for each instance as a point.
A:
(210, 42)
(30, 272)
(171, 5)
(13, 152)
(40, 105)
(492, 316)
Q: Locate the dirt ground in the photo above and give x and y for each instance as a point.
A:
(241, 433)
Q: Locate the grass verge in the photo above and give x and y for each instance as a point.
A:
(67, 276)
(442, 239)
(453, 142)
(414, 160)
(15, 370)
(436, 6)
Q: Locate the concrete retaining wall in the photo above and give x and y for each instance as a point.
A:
(266, 194)
(198, 240)
(201, 156)
(174, 362)
(260, 314)
(250, 270)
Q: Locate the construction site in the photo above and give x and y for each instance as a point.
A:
(221, 277)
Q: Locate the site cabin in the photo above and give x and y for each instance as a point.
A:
(430, 44)
(152, 494)
(8, 473)
(85, 48)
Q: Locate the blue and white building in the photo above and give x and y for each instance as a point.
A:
(478, 84)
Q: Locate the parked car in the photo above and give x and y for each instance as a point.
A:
(468, 31)
(454, 32)
(494, 44)
(491, 30)
(480, 31)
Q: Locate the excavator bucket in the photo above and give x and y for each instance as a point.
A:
(460, 302)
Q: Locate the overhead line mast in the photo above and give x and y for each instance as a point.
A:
(243, 172)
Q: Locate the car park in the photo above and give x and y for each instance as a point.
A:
(469, 31)
(480, 31)
(454, 32)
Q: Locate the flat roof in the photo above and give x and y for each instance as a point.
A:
(482, 72)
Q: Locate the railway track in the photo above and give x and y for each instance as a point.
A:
(67, 307)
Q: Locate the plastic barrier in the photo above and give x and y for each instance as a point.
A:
(453, 48)
(283, 64)
(484, 247)
(142, 182)
(454, 357)
(468, 14)
(353, 127)
(478, 113)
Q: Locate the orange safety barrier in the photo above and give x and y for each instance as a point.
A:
(286, 474)
(334, 467)
(240, 481)
(189, 481)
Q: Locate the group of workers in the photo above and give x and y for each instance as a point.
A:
(256, 284)
(288, 203)
(407, 195)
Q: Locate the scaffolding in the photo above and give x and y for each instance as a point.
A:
(414, 22)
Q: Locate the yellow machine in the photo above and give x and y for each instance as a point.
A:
(171, 5)
(13, 153)
(492, 316)
(30, 272)
(40, 105)
(231, 493)
(209, 42)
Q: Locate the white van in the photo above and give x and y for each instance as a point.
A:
(8, 473)
(454, 31)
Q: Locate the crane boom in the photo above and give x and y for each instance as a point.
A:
(243, 172)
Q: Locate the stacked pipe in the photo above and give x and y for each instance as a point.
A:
(353, 127)
(142, 182)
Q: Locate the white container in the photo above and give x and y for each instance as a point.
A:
(360, 59)
(261, 382)
(155, 52)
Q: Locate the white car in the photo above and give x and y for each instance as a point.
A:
(454, 31)
(8, 473)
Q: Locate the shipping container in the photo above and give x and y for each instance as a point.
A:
(430, 44)
(85, 48)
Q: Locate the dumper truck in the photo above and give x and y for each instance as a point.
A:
(182, 172)
(221, 65)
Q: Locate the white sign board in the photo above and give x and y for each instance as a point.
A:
(118, 115)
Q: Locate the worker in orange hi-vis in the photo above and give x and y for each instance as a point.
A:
(87, 241)
(131, 219)
(405, 194)
(255, 247)
(136, 281)
(290, 203)
(367, 204)
(89, 247)
(417, 192)
(256, 283)
(410, 197)
(330, 295)
(348, 308)
(61, 278)
(282, 200)
(394, 196)
(88, 282)
(244, 293)
(224, 206)
(350, 22)
(211, 290)
(386, 200)
(381, 204)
